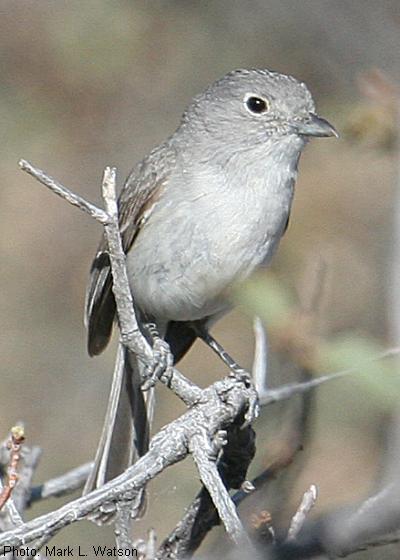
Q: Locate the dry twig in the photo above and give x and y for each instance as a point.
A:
(61, 485)
(222, 402)
(291, 389)
(299, 518)
(16, 439)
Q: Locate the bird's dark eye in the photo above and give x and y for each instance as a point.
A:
(256, 104)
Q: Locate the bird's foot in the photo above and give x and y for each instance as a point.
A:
(236, 371)
(253, 408)
(240, 374)
(163, 359)
(244, 377)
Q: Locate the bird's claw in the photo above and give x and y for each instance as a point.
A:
(244, 377)
(162, 361)
(253, 408)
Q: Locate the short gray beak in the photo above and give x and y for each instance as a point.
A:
(316, 126)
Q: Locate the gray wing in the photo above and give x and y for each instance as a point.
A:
(139, 194)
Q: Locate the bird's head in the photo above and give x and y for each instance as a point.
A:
(247, 108)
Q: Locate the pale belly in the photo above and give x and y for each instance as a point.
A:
(189, 255)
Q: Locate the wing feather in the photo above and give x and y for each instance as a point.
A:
(142, 189)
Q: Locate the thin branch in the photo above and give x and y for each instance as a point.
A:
(201, 516)
(151, 545)
(74, 479)
(260, 361)
(374, 521)
(16, 440)
(15, 520)
(222, 402)
(27, 460)
(43, 528)
(123, 525)
(299, 518)
(291, 389)
(61, 485)
(131, 335)
(57, 188)
(211, 479)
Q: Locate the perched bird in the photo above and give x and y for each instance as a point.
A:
(199, 214)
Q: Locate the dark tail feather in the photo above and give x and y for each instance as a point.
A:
(100, 304)
(125, 434)
(139, 406)
(126, 429)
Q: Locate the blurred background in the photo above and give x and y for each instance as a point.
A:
(89, 84)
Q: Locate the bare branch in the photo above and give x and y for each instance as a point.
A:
(221, 403)
(202, 455)
(57, 188)
(213, 410)
(27, 460)
(299, 518)
(370, 523)
(260, 360)
(287, 391)
(201, 516)
(61, 485)
(123, 525)
(131, 335)
(17, 438)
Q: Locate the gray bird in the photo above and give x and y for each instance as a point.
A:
(198, 215)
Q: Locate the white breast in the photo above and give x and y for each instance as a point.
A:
(210, 229)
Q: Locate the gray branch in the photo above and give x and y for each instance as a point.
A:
(61, 485)
(204, 457)
(131, 335)
(299, 518)
(291, 389)
(180, 437)
(259, 370)
(222, 402)
(12, 515)
(371, 523)
(74, 199)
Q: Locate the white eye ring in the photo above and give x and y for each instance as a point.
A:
(255, 104)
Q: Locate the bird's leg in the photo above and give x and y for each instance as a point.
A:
(235, 368)
(163, 358)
